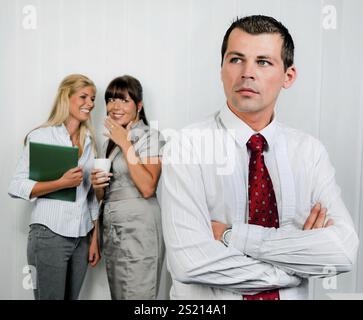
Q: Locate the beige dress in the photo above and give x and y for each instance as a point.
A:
(132, 237)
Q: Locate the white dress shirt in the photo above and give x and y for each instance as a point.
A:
(257, 258)
(70, 219)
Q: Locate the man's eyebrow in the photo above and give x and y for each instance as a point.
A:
(235, 53)
(266, 57)
(241, 55)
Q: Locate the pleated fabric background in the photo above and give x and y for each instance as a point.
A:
(173, 47)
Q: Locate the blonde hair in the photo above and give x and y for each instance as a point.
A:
(60, 110)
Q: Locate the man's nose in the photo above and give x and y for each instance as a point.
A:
(248, 70)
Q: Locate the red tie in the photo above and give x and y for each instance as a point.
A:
(262, 200)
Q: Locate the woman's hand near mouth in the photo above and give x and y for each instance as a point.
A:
(117, 133)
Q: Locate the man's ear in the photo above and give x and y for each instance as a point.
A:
(221, 72)
(290, 76)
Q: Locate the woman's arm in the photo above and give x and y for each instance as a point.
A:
(144, 172)
(94, 251)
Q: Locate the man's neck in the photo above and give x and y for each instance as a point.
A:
(255, 120)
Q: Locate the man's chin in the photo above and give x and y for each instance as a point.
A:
(245, 108)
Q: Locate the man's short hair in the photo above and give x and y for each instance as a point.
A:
(259, 24)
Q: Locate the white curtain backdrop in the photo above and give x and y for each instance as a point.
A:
(173, 47)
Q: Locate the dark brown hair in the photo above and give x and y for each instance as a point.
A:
(259, 24)
(120, 85)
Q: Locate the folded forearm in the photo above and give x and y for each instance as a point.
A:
(305, 253)
(211, 264)
(45, 187)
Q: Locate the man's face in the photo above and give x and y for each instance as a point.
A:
(253, 72)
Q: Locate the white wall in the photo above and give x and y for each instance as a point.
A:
(173, 47)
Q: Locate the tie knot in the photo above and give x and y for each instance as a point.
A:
(257, 143)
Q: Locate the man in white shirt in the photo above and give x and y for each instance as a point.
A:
(214, 251)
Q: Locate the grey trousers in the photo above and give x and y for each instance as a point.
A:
(133, 248)
(60, 263)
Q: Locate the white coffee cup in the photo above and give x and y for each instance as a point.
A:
(102, 163)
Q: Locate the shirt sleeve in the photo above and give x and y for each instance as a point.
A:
(194, 256)
(93, 204)
(317, 252)
(20, 185)
(150, 144)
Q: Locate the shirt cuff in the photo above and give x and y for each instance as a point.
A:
(246, 238)
(26, 190)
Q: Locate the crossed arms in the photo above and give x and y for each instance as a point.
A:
(257, 258)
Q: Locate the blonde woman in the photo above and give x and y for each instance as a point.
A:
(60, 245)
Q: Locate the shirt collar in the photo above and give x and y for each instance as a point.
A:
(242, 132)
(139, 124)
(62, 130)
(137, 130)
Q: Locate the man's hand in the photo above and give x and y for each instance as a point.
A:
(316, 218)
(218, 229)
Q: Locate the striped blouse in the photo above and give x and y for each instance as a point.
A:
(70, 219)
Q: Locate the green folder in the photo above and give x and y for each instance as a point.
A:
(49, 162)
